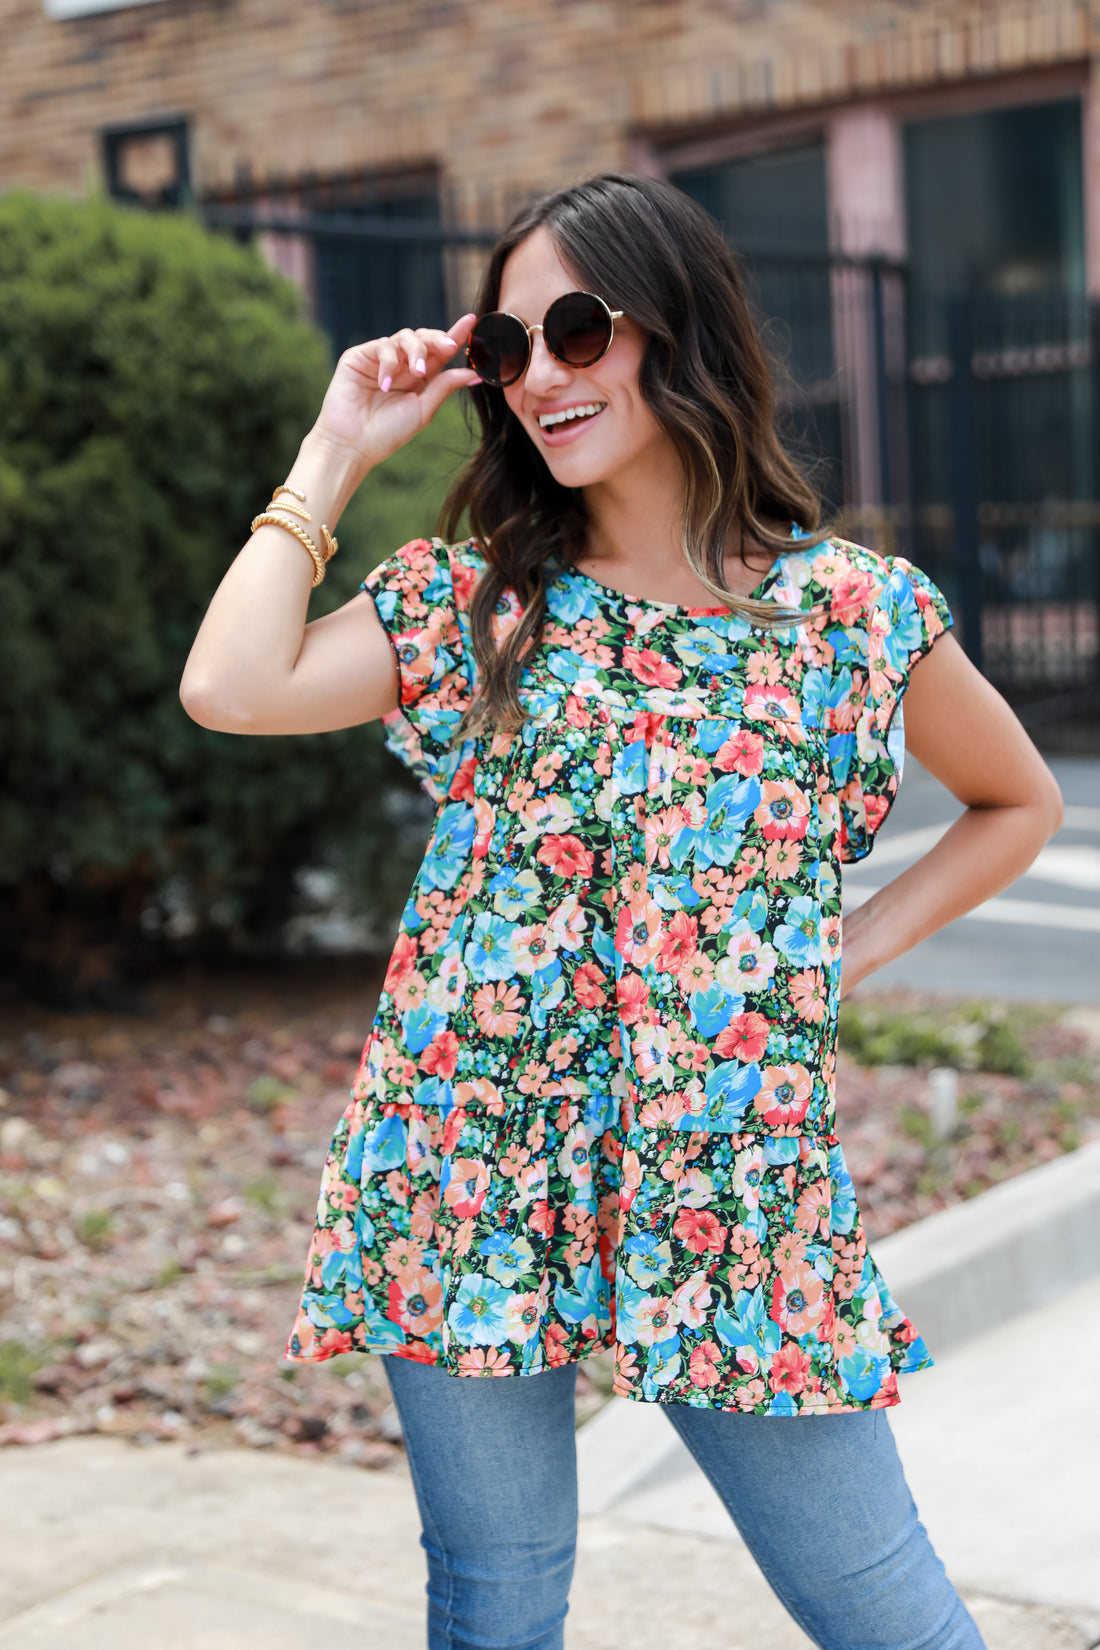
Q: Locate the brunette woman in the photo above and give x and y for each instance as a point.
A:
(658, 707)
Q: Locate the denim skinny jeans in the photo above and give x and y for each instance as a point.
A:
(821, 1502)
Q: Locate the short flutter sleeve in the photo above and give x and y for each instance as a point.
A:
(884, 615)
(420, 595)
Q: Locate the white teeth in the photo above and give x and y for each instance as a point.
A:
(548, 420)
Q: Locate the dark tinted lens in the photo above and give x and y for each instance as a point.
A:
(498, 348)
(577, 329)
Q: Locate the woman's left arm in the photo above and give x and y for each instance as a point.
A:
(960, 729)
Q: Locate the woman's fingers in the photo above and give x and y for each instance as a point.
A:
(410, 357)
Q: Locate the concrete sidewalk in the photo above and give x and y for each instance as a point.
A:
(105, 1546)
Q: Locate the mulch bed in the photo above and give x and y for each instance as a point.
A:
(158, 1175)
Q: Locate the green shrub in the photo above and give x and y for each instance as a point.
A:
(18, 1365)
(155, 382)
(972, 1039)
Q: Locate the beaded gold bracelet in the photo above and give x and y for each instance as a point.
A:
(328, 540)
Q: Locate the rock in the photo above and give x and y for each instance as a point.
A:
(230, 1209)
(305, 1429)
(389, 1425)
(252, 1433)
(54, 1377)
(43, 1431)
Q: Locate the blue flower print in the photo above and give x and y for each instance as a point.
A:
(477, 1313)
(650, 1259)
(384, 1146)
(509, 1256)
(488, 953)
(713, 1009)
(729, 1088)
(799, 938)
(730, 801)
(449, 849)
(515, 892)
(419, 1025)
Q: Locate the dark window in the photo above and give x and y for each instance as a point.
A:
(148, 164)
(368, 287)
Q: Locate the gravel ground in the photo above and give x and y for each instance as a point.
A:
(158, 1174)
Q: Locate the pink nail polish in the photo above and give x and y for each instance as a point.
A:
(422, 366)
(385, 384)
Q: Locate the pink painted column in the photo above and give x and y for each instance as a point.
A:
(866, 215)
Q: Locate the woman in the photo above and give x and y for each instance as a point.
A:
(657, 706)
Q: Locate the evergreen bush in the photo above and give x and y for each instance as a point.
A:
(155, 382)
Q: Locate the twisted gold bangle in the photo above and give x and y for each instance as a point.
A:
(329, 545)
(268, 517)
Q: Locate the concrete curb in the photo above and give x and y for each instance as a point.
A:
(957, 1275)
(1018, 1246)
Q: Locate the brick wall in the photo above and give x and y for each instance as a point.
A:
(504, 96)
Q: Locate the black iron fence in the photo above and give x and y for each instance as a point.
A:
(963, 432)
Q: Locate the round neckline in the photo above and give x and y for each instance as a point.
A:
(610, 590)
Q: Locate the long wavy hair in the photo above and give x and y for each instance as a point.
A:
(651, 251)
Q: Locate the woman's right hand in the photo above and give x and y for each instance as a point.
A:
(385, 391)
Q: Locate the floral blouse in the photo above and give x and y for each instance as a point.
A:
(596, 1108)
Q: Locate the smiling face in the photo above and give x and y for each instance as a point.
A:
(611, 434)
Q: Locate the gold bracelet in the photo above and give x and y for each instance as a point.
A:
(268, 517)
(329, 545)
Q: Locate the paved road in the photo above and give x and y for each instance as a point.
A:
(1040, 939)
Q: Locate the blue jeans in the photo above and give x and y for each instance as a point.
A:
(820, 1500)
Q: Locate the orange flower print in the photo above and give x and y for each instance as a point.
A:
(700, 1231)
(789, 1369)
(660, 828)
(497, 1009)
(850, 594)
(680, 941)
(638, 932)
(704, 1365)
(403, 1256)
(631, 995)
(587, 983)
(696, 973)
(743, 753)
(532, 948)
(649, 667)
(523, 1316)
(485, 1360)
(798, 1300)
(565, 855)
(808, 995)
(440, 1058)
(410, 991)
(402, 962)
(465, 1191)
(815, 1210)
(634, 883)
(416, 1302)
(784, 810)
(782, 860)
(745, 1038)
(772, 704)
(784, 1097)
(424, 1212)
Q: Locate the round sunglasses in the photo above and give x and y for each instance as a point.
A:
(577, 329)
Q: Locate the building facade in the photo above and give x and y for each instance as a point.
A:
(914, 184)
